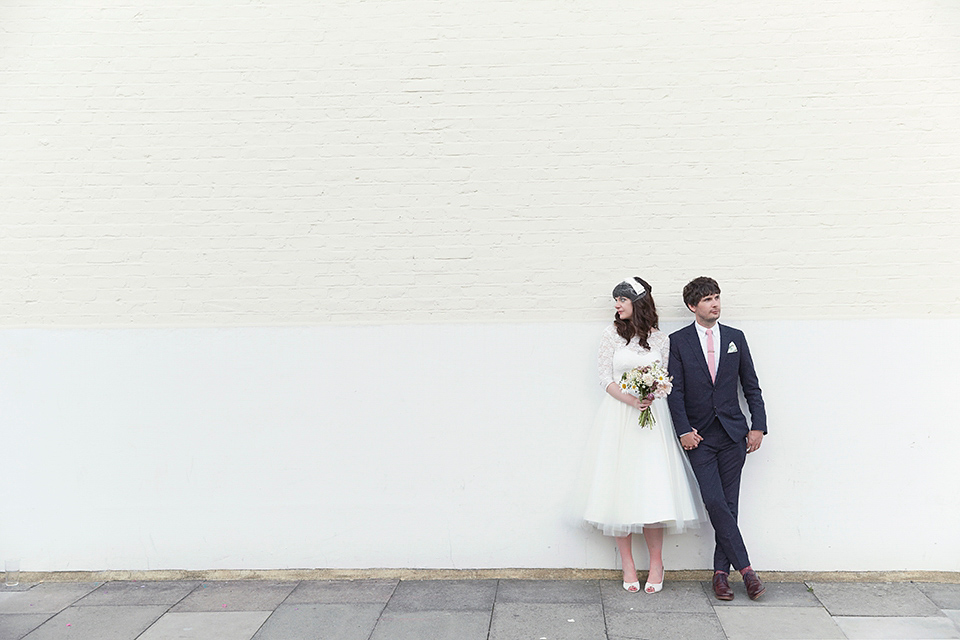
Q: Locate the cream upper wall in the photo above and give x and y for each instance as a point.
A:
(313, 162)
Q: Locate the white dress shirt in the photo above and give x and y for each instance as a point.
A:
(702, 333)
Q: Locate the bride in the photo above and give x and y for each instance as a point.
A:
(636, 479)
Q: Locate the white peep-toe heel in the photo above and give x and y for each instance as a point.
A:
(632, 587)
(653, 588)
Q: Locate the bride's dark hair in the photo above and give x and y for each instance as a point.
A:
(643, 320)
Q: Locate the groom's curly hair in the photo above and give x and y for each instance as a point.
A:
(698, 289)
(642, 322)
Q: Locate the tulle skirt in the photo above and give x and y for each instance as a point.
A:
(632, 477)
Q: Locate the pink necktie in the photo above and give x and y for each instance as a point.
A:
(710, 353)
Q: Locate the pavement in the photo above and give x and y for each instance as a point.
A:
(476, 609)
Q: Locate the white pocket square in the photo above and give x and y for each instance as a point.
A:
(732, 348)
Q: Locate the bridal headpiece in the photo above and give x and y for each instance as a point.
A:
(630, 288)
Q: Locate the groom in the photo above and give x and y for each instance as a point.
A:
(707, 360)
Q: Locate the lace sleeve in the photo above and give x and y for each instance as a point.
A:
(608, 344)
(661, 342)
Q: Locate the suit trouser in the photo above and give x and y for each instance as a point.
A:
(717, 462)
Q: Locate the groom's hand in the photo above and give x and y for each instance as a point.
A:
(754, 438)
(690, 440)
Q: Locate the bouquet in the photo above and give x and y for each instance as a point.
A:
(650, 382)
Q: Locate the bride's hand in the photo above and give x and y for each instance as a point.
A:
(637, 403)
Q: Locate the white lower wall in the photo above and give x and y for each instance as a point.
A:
(446, 446)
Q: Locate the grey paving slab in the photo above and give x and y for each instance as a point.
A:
(532, 591)
(443, 595)
(676, 596)
(873, 599)
(122, 592)
(14, 626)
(435, 625)
(778, 594)
(206, 625)
(123, 622)
(23, 586)
(945, 596)
(954, 615)
(236, 595)
(664, 626)
(877, 628)
(783, 623)
(342, 591)
(48, 597)
(320, 622)
(524, 621)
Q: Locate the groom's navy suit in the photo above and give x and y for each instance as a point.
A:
(713, 409)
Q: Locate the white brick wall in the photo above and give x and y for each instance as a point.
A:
(492, 163)
(305, 162)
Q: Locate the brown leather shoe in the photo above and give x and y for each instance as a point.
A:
(721, 587)
(753, 584)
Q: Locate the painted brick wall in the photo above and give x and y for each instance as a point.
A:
(306, 162)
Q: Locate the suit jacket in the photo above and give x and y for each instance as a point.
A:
(696, 400)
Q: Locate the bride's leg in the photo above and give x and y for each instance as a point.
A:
(625, 546)
(653, 536)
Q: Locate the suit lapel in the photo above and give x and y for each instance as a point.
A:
(728, 333)
(694, 338)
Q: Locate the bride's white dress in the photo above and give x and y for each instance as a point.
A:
(635, 477)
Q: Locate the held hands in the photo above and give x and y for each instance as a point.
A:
(690, 440)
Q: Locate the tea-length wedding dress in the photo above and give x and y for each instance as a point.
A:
(634, 477)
